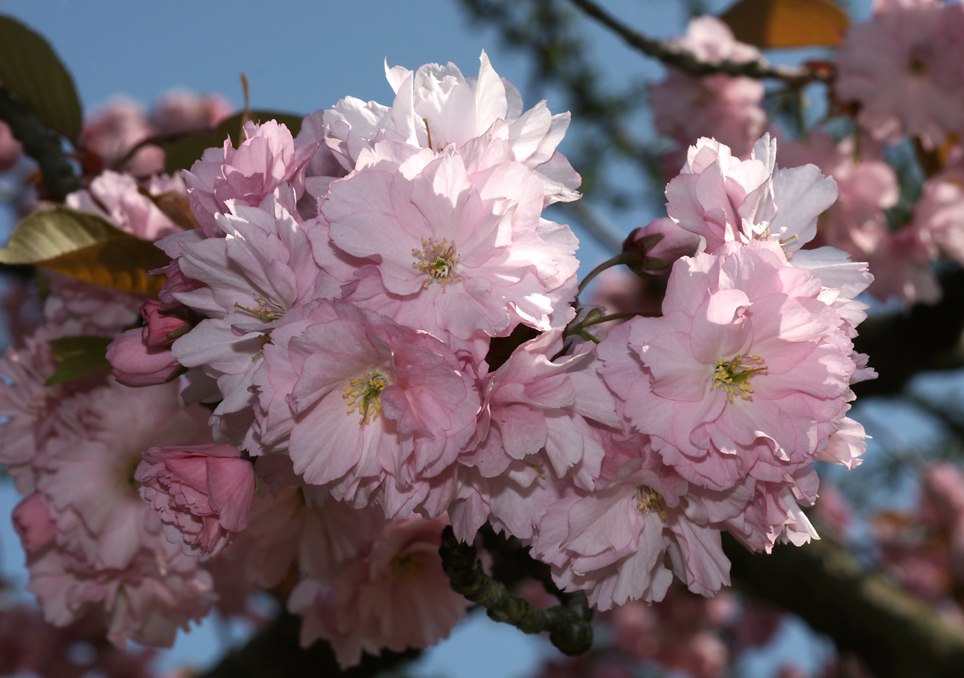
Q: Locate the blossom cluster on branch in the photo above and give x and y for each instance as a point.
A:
(372, 332)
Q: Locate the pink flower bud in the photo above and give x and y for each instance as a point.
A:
(203, 494)
(159, 326)
(34, 525)
(134, 363)
(657, 245)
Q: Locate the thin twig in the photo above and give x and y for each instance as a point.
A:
(673, 55)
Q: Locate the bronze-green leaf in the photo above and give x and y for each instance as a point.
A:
(32, 71)
(86, 247)
(77, 356)
(787, 23)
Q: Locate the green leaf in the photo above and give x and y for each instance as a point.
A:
(183, 153)
(77, 356)
(86, 247)
(31, 71)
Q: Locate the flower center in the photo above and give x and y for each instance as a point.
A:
(438, 260)
(364, 394)
(733, 376)
(648, 499)
(125, 474)
(405, 567)
(264, 311)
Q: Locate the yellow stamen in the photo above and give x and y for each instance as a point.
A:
(264, 311)
(365, 394)
(438, 261)
(648, 500)
(733, 376)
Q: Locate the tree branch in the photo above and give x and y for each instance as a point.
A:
(568, 624)
(671, 55)
(276, 653)
(926, 338)
(897, 635)
(40, 143)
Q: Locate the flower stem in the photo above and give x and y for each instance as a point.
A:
(615, 261)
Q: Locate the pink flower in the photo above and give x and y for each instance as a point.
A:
(126, 207)
(134, 363)
(182, 110)
(396, 597)
(115, 129)
(904, 69)
(87, 479)
(32, 522)
(461, 241)
(203, 494)
(364, 404)
(746, 373)
(686, 108)
(265, 160)
(10, 148)
(724, 199)
(939, 214)
(435, 107)
(614, 542)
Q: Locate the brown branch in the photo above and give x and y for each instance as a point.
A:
(672, 55)
(896, 634)
(926, 338)
(276, 652)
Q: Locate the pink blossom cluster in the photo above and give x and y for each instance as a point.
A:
(374, 332)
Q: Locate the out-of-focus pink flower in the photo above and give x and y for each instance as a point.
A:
(904, 69)
(182, 110)
(115, 129)
(396, 597)
(203, 494)
(134, 363)
(728, 109)
(32, 522)
(10, 148)
(939, 213)
(126, 206)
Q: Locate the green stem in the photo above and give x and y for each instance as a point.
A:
(615, 261)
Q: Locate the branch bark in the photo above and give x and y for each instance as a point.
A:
(926, 338)
(275, 652)
(897, 635)
(671, 55)
(40, 143)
